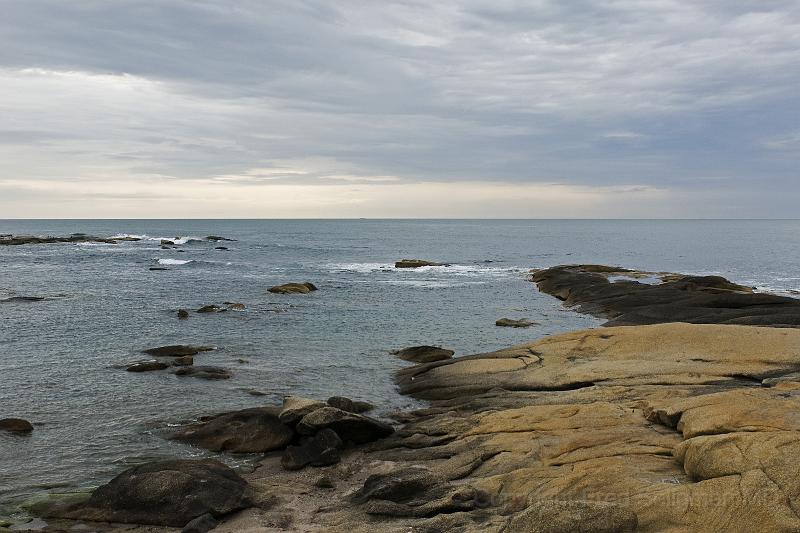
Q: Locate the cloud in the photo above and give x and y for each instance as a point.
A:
(244, 93)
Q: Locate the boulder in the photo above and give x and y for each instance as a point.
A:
(183, 313)
(16, 425)
(320, 450)
(177, 350)
(552, 516)
(255, 430)
(220, 247)
(186, 360)
(166, 493)
(236, 306)
(293, 288)
(400, 485)
(415, 263)
(14, 299)
(424, 354)
(204, 372)
(296, 407)
(146, 366)
(511, 323)
(351, 406)
(167, 242)
(349, 426)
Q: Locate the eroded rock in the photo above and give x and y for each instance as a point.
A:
(256, 430)
(424, 354)
(177, 350)
(293, 288)
(15, 425)
(415, 263)
(349, 426)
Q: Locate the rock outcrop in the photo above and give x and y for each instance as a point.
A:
(615, 293)
(423, 354)
(514, 323)
(177, 350)
(415, 263)
(15, 240)
(15, 425)
(293, 288)
(165, 493)
(204, 372)
(256, 430)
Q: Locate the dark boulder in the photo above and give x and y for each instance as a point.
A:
(14, 299)
(183, 313)
(177, 350)
(16, 425)
(146, 366)
(217, 238)
(351, 406)
(320, 450)
(293, 288)
(167, 242)
(400, 485)
(158, 268)
(415, 263)
(220, 247)
(166, 493)
(424, 354)
(511, 323)
(12, 240)
(256, 430)
(186, 360)
(204, 372)
(211, 309)
(349, 426)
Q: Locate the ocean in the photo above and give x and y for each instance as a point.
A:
(62, 358)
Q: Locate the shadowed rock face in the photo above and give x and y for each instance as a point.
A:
(679, 298)
(256, 430)
(177, 350)
(423, 354)
(165, 493)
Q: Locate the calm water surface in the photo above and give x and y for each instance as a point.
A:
(60, 357)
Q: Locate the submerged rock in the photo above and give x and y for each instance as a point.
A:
(16, 425)
(217, 238)
(351, 406)
(183, 313)
(349, 426)
(320, 450)
(167, 242)
(293, 288)
(177, 350)
(220, 247)
(185, 360)
(147, 366)
(256, 430)
(204, 372)
(211, 309)
(415, 263)
(511, 323)
(158, 268)
(165, 493)
(23, 299)
(424, 354)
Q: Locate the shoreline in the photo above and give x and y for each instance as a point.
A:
(612, 428)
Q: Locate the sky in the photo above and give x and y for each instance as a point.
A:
(394, 109)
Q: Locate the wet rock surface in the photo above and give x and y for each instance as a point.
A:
(415, 263)
(204, 372)
(15, 240)
(256, 430)
(177, 350)
(677, 298)
(293, 288)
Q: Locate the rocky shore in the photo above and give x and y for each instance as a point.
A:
(679, 415)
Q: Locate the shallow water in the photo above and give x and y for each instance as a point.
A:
(60, 357)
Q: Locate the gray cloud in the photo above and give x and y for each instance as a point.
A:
(676, 95)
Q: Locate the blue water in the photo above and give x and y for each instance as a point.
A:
(60, 357)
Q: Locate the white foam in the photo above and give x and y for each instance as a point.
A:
(452, 270)
(174, 261)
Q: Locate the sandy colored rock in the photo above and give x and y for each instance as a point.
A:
(415, 263)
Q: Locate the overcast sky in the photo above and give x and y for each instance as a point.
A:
(469, 108)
